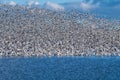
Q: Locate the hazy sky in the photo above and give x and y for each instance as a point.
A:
(41, 1)
(109, 7)
(59, 1)
(102, 2)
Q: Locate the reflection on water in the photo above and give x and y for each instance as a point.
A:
(63, 68)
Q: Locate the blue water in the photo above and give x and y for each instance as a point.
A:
(62, 68)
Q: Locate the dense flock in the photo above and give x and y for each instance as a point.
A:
(30, 31)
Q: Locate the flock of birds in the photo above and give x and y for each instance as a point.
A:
(30, 31)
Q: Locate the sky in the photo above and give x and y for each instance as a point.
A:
(107, 7)
(59, 1)
(41, 1)
(102, 2)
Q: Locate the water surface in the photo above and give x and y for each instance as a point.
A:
(62, 68)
